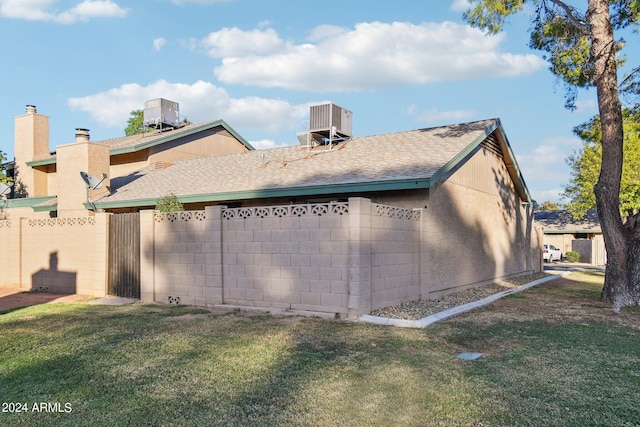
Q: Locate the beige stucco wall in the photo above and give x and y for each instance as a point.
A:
(214, 142)
(10, 253)
(72, 159)
(592, 251)
(127, 168)
(24, 212)
(65, 255)
(560, 241)
(478, 230)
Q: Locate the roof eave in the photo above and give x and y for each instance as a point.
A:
(170, 137)
(43, 162)
(28, 202)
(155, 142)
(443, 172)
(574, 231)
(510, 160)
(514, 169)
(405, 184)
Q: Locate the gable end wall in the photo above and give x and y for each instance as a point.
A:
(478, 230)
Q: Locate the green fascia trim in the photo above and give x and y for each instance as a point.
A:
(46, 208)
(474, 146)
(173, 136)
(406, 184)
(50, 161)
(169, 137)
(464, 153)
(526, 196)
(28, 201)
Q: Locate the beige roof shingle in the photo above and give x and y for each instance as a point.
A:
(411, 155)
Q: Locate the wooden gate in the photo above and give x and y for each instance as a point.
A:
(124, 255)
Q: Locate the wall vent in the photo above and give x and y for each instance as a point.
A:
(174, 300)
(161, 164)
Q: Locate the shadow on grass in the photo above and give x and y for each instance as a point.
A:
(15, 300)
(137, 365)
(556, 355)
(566, 374)
(550, 358)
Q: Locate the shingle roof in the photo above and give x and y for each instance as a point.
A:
(561, 222)
(411, 157)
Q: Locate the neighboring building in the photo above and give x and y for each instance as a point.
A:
(50, 182)
(567, 234)
(342, 224)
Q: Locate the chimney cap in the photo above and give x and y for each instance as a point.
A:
(82, 134)
(31, 108)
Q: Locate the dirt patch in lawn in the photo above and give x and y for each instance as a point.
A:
(12, 298)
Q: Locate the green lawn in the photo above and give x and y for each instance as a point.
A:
(553, 356)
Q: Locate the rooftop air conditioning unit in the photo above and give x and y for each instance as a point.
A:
(330, 121)
(161, 113)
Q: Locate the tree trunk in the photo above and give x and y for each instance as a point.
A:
(622, 275)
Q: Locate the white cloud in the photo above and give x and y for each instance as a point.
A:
(263, 144)
(370, 56)
(40, 10)
(544, 164)
(461, 5)
(435, 116)
(545, 167)
(264, 23)
(199, 102)
(158, 43)
(233, 42)
(553, 195)
(588, 105)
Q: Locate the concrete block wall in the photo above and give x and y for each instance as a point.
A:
(180, 257)
(287, 257)
(65, 255)
(395, 270)
(9, 253)
(314, 258)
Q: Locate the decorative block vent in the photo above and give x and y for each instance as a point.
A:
(174, 300)
(319, 209)
(394, 212)
(182, 216)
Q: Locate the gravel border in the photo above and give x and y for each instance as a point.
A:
(416, 310)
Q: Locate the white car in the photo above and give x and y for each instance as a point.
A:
(551, 253)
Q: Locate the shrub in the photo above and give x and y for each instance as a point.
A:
(572, 256)
(169, 203)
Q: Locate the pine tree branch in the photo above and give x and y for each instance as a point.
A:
(571, 15)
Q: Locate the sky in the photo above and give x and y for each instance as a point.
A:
(259, 65)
